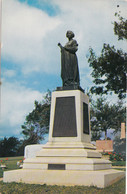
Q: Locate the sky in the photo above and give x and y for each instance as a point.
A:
(30, 57)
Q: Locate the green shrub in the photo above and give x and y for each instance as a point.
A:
(105, 153)
(115, 157)
(119, 146)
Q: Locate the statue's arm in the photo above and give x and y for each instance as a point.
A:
(59, 44)
(71, 49)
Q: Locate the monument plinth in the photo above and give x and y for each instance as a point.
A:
(68, 158)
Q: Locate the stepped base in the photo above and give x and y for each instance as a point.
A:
(66, 163)
(69, 163)
(101, 178)
(67, 156)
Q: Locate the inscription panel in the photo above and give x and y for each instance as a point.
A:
(65, 117)
(85, 118)
(56, 166)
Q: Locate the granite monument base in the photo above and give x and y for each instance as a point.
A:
(68, 158)
(100, 179)
(66, 163)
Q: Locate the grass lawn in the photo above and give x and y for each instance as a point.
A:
(11, 163)
(119, 163)
(15, 188)
(19, 188)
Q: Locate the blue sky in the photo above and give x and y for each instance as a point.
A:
(30, 57)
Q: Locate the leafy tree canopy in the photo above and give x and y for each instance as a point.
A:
(37, 122)
(109, 69)
(120, 27)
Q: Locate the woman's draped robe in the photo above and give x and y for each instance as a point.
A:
(69, 64)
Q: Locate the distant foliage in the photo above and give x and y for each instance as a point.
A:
(119, 146)
(9, 146)
(105, 116)
(36, 124)
(95, 135)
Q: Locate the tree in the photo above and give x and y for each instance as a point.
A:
(37, 122)
(120, 28)
(119, 146)
(9, 147)
(95, 135)
(109, 70)
(105, 116)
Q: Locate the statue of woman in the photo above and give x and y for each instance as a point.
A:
(69, 61)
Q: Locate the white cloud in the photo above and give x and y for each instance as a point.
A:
(30, 36)
(16, 102)
(92, 23)
(9, 73)
(23, 31)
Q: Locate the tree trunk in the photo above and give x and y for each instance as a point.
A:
(105, 134)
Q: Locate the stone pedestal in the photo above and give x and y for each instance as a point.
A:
(69, 119)
(68, 158)
(123, 134)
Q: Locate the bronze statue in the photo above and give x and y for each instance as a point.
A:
(69, 62)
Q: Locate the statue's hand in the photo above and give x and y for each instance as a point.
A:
(59, 44)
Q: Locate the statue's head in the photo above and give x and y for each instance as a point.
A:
(70, 34)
